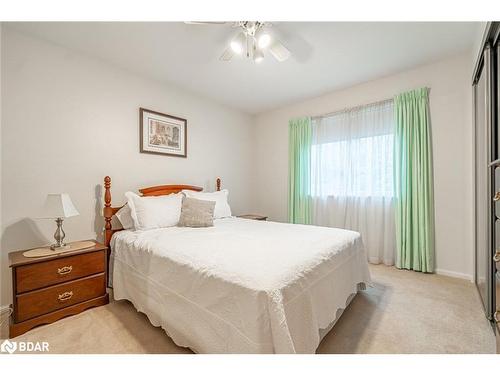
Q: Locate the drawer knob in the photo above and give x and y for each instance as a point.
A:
(496, 257)
(65, 296)
(496, 316)
(64, 270)
(496, 197)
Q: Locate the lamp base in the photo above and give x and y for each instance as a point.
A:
(59, 236)
(61, 247)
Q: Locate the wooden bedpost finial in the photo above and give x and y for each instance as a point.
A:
(107, 211)
(107, 191)
(218, 184)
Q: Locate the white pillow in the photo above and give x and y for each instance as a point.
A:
(222, 208)
(154, 212)
(124, 216)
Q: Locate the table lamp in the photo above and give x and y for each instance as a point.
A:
(59, 207)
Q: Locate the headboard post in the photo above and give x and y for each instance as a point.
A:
(107, 211)
(218, 183)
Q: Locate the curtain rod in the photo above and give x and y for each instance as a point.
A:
(348, 109)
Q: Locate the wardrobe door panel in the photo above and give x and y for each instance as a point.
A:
(485, 186)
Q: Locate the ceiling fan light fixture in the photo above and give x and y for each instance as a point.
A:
(264, 40)
(238, 42)
(251, 41)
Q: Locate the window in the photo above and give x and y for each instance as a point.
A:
(352, 153)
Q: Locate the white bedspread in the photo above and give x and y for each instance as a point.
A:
(242, 286)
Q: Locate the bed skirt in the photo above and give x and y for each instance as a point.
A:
(190, 325)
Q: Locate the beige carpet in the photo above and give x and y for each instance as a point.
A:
(405, 312)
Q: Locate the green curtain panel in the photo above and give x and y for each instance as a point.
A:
(413, 183)
(299, 169)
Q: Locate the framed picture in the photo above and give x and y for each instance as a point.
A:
(162, 134)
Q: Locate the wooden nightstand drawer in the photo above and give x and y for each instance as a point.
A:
(40, 275)
(42, 301)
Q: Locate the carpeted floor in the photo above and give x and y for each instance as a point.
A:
(404, 312)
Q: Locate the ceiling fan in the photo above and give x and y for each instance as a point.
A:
(252, 41)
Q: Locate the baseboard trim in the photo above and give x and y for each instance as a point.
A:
(454, 274)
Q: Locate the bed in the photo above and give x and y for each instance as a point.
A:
(241, 286)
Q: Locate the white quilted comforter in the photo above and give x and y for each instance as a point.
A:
(242, 286)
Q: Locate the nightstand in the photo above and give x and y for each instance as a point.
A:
(46, 289)
(253, 217)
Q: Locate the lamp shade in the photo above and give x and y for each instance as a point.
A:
(58, 205)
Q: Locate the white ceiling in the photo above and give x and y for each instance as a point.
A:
(326, 55)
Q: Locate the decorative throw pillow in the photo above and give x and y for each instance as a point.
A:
(222, 208)
(196, 213)
(124, 216)
(154, 212)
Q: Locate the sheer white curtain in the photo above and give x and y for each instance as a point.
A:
(352, 176)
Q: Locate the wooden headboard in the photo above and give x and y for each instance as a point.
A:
(109, 211)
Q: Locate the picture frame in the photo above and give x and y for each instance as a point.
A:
(162, 134)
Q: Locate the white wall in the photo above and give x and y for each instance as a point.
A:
(451, 117)
(69, 120)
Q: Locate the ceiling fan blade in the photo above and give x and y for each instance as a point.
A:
(205, 23)
(227, 55)
(279, 51)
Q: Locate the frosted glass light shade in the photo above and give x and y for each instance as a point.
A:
(237, 43)
(58, 205)
(264, 40)
(258, 56)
